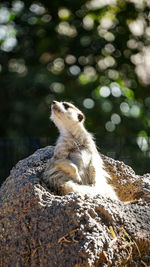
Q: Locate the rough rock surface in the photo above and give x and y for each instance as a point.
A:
(38, 228)
(127, 184)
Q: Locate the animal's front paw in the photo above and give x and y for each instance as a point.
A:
(70, 169)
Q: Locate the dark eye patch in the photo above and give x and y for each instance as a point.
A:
(80, 117)
(66, 106)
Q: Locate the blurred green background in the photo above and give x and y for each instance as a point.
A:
(94, 53)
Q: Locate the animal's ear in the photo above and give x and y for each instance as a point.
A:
(80, 117)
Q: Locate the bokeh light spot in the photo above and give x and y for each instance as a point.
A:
(115, 118)
(110, 127)
(88, 23)
(88, 103)
(104, 91)
(124, 107)
(106, 106)
(57, 87)
(142, 143)
(64, 13)
(74, 70)
(135, 111)
(115, 89)
(70, 59)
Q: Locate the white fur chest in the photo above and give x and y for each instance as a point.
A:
(82, 159)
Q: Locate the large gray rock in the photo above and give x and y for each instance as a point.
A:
(38, 228)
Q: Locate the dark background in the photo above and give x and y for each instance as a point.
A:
(94, 54)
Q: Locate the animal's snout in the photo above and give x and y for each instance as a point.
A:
(55, 106)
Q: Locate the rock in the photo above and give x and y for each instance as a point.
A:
(38, 228)
(127, 184)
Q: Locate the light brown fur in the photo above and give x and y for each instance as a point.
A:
(76, 165)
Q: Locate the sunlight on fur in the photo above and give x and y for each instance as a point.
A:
(76, 165)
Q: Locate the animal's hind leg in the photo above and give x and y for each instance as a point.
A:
(70, 186)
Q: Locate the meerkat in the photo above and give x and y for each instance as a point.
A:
(76, 165)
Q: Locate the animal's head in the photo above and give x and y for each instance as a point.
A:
(66, 115)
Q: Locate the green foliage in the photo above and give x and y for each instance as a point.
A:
(92, 53)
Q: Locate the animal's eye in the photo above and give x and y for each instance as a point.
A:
(80, 117)
(66, 106)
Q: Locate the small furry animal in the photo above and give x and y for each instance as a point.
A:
(76, 165)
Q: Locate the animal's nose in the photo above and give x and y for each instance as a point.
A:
(54, 102)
